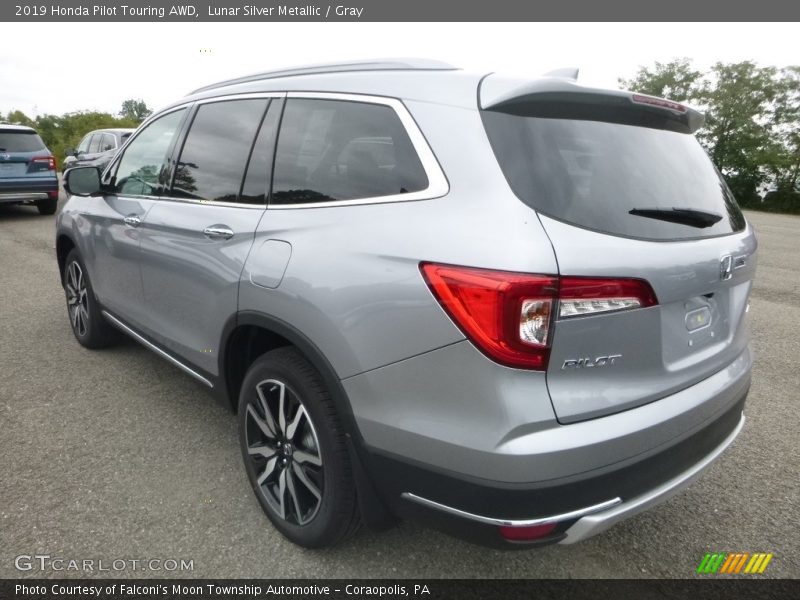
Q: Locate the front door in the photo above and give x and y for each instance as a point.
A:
(114, 218)
(196, 238)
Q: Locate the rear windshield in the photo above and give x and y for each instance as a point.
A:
(621, 179)
(20, 141)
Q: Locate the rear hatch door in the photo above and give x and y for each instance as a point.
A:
(628, 197)
(17, 149)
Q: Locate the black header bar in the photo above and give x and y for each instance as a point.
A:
(401, 11)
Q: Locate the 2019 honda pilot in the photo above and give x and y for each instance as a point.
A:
(511, 308)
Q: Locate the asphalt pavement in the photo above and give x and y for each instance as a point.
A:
(116, 454)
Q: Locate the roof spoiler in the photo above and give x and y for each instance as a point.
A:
(558, 97)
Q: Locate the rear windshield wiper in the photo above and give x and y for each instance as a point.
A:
(682, 216)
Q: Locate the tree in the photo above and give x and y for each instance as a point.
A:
(675, 80)
(135, 110)
(739, 122)
(17, 117)
(746, 106)
(785, 166)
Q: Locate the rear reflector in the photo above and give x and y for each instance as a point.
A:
(530, 533)
(510, 316)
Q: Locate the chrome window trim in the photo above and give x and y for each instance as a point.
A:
(438, 185)
(205, 202)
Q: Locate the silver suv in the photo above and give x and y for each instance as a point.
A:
(514, 309)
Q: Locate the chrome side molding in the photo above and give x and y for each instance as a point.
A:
(151, 346)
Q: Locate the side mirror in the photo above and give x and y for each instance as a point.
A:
(69, 152)
(82, 181)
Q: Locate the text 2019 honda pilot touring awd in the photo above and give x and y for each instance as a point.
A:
(514, 309)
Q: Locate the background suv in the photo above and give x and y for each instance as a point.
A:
(97, 148)
(27, 169)
(514, 309)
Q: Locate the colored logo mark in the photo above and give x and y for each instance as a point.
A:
(734, 563)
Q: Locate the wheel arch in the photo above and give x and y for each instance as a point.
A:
(277, 334)
(64, 245)
(274, 333)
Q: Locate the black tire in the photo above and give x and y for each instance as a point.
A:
(89, 326)
(306, 520)
(47, 207)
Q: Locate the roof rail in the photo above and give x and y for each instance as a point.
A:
(357, 65)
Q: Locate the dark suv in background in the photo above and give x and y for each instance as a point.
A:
(97, 148)
(27, 169)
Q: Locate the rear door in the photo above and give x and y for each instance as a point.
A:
(195, 240)
(655, 258)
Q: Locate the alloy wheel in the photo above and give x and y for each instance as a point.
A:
(77, 299)
(284, 452)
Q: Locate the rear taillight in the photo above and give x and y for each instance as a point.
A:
(510, 316)
(506, 315)
(589, 296)
(50, 161)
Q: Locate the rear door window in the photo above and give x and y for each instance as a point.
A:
(20, 141)
(622, 179)
(259, 169)
(331, 150)
(107, 143)
(213, 159)
(94, 145)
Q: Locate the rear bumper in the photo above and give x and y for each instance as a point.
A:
(27, 189)
(597, 522)
(579, 506)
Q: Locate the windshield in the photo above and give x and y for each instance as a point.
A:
(621, 179)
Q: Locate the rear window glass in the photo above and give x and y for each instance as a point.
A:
(339, 150)
(621, 179)
(20, 141)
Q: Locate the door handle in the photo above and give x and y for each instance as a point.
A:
(133, 220)
(218, 232)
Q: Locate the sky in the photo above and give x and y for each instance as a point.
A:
(63, 67)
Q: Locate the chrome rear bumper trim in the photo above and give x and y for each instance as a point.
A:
(596, 523)
(22, 196)
(512, 522)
